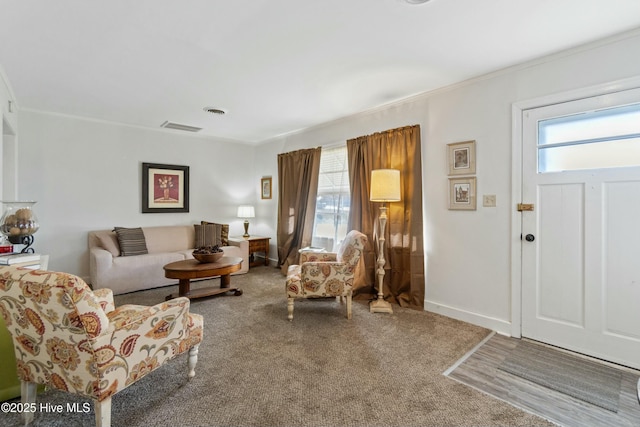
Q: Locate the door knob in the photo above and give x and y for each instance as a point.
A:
(530, 237)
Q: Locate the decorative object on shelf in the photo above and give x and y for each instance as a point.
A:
(165, 188)
(462, 193)
(19, 258)
(246, 212)
(265, 184)
(5, 245)
(385, 187)
(19, 223)
(462, 158)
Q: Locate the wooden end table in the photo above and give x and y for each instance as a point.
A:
(189, 269)
(257, 244)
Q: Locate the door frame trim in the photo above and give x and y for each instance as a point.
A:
(517, 111)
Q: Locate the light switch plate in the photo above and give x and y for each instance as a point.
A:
(489, 200)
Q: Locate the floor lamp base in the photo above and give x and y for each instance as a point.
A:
(380, 306)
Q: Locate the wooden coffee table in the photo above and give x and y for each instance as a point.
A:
(189, 269)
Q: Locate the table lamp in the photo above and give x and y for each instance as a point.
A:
(246, 212)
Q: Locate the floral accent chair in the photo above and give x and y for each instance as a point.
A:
(326, 274)
(71, 338)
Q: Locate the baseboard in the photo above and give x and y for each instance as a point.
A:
(498, 325)
(272, 262)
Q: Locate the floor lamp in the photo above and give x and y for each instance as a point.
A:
(385, 187)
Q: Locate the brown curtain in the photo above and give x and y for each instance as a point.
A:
(404, 248)
(298, 173)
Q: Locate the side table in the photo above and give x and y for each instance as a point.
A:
(257, 244)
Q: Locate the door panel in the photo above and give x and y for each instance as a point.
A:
(621, 259)
(561, 266)
(581, 274)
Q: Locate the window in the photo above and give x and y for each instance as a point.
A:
(333, 202)
(605, 138)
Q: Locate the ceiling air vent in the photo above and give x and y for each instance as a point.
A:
(178, 126)
(214, 110)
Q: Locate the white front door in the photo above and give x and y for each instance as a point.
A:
(581, 242)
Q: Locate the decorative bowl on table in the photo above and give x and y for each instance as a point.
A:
(208, 254)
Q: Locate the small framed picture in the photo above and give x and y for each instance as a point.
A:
(462, 193)
(462, 158)
(165, 188)
(265, 184)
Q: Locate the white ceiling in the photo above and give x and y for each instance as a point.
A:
(275, 66)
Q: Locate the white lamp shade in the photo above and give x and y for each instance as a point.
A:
(385, 185)
(246, 212)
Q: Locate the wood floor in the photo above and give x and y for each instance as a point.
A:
(479, 369)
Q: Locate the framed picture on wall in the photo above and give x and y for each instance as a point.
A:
(462, 193)
(265, 183)
(165, 188)
(462, 158)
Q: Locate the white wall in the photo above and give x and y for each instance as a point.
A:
(469, 253)
(86, 175)
(8, 140)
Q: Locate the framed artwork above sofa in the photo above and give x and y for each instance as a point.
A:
(165, 188)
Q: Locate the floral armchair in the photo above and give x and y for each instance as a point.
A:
(326, 274)
(73, 339)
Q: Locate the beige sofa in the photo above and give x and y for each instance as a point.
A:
(165, 244)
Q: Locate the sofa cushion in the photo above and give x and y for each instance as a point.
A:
(169, 238)
(224, 232)
(132, 241)
(208, 235)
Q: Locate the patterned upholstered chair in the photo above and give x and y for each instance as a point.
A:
(326, 274)
(73, 339)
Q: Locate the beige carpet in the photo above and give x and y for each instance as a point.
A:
(258, 369)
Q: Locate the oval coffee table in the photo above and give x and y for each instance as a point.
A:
(189, 269)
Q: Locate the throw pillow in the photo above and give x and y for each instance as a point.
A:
(208, 235)
(131, 240)
(224, 232)
(109, 242)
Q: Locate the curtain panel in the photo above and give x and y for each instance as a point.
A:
(298, 173)
(404, 248)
